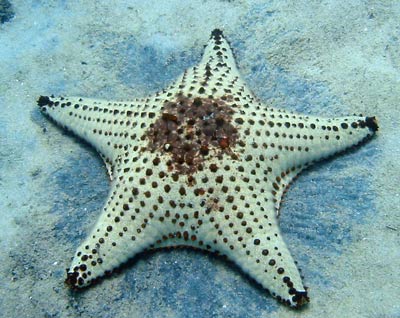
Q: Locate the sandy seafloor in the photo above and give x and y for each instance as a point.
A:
(340, 219)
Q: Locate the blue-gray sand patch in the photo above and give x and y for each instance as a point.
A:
(187, 280)
(147, 67)
(80, 191)
(323, 205)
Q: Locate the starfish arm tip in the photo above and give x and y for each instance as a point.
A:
(216, 33)
(372, 123)
(43, 101)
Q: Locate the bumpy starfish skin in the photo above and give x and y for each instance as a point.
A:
(202, 163)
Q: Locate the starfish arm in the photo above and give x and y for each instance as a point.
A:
(312, 139)
(215, 76)
(107, 126)
(126, 227)
(283, 143)
(302, 140)
(260, 251)
(118, 235)
(250, 237)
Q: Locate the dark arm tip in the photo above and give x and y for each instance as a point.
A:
(44, 101)
(371, 123)
(71, 279)
(216, 34)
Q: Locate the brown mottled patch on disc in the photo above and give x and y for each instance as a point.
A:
(191, 129)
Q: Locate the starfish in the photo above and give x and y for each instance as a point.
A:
(202, 163)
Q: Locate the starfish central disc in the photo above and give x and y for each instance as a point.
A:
(190, 130)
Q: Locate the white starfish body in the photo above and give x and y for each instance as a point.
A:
(202, 163)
